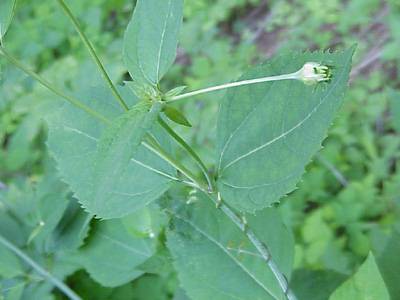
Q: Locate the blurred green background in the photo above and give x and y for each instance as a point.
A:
(348, 201)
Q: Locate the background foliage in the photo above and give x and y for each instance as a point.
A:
(344, 212)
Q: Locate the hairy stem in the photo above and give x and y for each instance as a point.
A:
(262, 249)
(56, 282)
(49, 86)
(93, 54)
(190, 150)
(234, 84)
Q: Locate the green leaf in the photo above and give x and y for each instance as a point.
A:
(72, 229)
(10, 265)
(176, 116)
(7, 10)
(316, 285)
(112, 254)
(389, 263)
(267, 133)
(151, 39)
(365, 284)
(117, 145)
(394, 104)
(72, 140)
(215, 260)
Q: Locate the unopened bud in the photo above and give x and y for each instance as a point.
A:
(313, 72)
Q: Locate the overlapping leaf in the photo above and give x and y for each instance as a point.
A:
(268, 132)
(73, 139)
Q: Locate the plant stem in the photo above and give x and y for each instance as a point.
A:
(59, 284)
(235, 84)
(93, 54)
(257, 243)
(49, 86)
(153, 146)
(190, 150)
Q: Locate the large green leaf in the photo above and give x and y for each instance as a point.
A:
(73, 139)
(365, 284)
(215, 260)
(268, 132)
(151, 39)
(7, 10)
(112, 254)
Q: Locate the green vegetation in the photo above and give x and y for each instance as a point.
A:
(97, 201)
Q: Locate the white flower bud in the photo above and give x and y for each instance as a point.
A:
(313, 72)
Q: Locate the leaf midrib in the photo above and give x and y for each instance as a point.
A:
(298, 125)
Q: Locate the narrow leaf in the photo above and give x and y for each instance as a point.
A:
(7, 10)
(365, 284)
(215, 260)
(268, 133)
(151, 39)
(176, 116)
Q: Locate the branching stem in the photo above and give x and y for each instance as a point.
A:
(56, 282)
(93, 54)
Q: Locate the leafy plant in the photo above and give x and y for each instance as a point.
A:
(115, 149)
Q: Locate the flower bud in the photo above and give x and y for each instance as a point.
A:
(312, 73)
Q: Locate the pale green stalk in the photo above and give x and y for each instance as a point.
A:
(234, 84)
(93, 54)
(67, 291)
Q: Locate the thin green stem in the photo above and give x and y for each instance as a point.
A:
(152, 144)
(190, 150)
(56, 282)
(49, 86)
(93, 54)
(262, 249)
(290, 76)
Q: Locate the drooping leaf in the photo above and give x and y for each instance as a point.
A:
(365, 284)
(268, 132)
(151, 39)
(176, 116)
(7, 10)
(112, 254)
(215, 260)
(72, 140)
